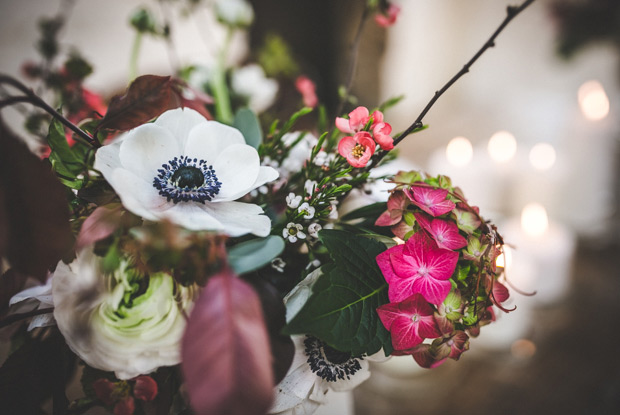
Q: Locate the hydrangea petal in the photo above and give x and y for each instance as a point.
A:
(433, 290)
(385, 263)
(432, 201)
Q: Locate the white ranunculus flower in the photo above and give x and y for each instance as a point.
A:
(119, 322)
(250, 81)
(316, 368)
(190, 171)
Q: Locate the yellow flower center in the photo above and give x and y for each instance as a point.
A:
(358, 150)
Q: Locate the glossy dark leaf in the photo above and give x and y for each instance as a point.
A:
(342, 308)
(226, 360)
(36, 216)
(147, 97)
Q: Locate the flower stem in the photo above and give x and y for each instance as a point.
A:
(30, 97)
(511, 13)
(223, 110)
(21, 316)
(135, 53)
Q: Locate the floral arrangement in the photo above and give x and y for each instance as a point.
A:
(189, 252)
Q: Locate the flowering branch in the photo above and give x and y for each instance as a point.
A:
(20, 316)
(511, 13)
(32, 98)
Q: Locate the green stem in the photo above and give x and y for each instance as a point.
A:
(133, 60)
(223, 109)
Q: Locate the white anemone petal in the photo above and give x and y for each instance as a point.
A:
(138, 195)
(207, 140)
(239, 218)
(192, 216)
(107, 158)
(354, 381)
(237, 167)
(146, 148)
(180, 122)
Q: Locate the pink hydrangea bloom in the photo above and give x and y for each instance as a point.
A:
(388, 19)
(307, 89)
(381, 132)
(419, 266)
(444, 232)
(357, 149)
(409, 321)
(432, 201)
(396, 205)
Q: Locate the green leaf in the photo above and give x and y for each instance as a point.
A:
(342, 308)
(252, 255)
(247, 122)
(64, 161)
(390, 103)
(291, 122)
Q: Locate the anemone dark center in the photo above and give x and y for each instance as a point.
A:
(330, 364)
(335, 356)
(188, 176)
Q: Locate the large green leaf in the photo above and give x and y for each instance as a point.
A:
(342, 308)
(252, 255)
(247, 123)
(64, 161)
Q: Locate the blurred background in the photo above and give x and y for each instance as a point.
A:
(531, 135)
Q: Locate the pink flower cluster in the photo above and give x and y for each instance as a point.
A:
(120, 395)
(359, 148)
(442, 282)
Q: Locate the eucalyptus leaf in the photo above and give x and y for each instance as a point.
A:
(342, 308)
(247, 122)
(255, 254)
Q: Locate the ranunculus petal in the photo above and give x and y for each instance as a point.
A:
(180, 122)
(146, 149)
(237, 167)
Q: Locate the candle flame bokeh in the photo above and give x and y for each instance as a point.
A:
(542, 156)
(459, 151)
(534, 220)
(502, 146)
(593, 100)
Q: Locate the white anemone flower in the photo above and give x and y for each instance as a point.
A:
(190, 171)
(119, 322)
(234, 12)
(316, 368)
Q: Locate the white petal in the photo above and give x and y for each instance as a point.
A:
(237, 168)
(293, 389)
(239, 218)
(192, 215)
(138, 195)
(265, 175)
(207, 140)
(146, 148)
(180, 122)
(107, 158)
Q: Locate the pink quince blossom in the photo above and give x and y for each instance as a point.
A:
(357, 149)
(409, 321)
(381, 132)
(307, 89)
(432, 201)
(358, 118)
(389, 18)
(445, 233)
(418, 266)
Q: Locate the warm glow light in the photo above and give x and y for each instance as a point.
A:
(502, 146)
(459, 151)
(542, 156)
(593, 100)
(504, 260)
(534, 219)
(523, 349)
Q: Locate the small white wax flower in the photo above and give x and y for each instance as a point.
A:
(333, 213)
(234, 12)
(293, 231)
(313, 229)
(293, 200)
(310, 186)
(307, 210)
(298, 154)
(111, 333)
(190, 171)
(250, 81)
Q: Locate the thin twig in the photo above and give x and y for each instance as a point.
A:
(511, 13)
(10, 319)
(33, 99)
(354, 52)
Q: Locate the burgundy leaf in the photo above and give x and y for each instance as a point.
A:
(34, 216)
(99, 225)
(147, 97)
(226, 359)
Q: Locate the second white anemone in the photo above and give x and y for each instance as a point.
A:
(190, 171)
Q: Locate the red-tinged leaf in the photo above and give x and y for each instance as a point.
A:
(147, 97)
(34, 216)
(193, 98)
(226, 359)
(99, 225)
